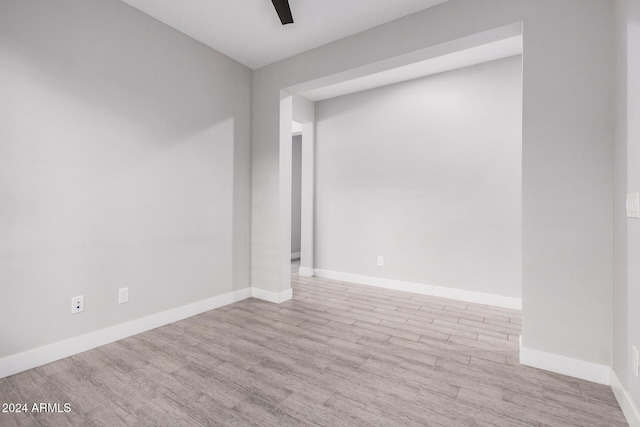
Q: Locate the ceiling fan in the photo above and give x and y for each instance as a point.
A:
(284, 11)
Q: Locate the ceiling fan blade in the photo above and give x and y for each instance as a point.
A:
(284, 11)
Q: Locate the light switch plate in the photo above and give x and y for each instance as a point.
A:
(633, 205)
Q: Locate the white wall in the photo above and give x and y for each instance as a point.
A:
(567, 180)
(567, 154)
(296, 194)
(426, 173)
(627, 179)
(124, 161)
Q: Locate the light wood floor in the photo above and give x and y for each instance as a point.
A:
(336, 355)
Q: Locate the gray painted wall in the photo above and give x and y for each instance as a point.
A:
(296, 193)
(627, 179)
(567, 154)
(426, 173)
(124, 161)
(567, 181)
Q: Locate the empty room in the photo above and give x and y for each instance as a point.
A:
(448, 236)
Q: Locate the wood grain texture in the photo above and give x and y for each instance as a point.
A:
(337, 354)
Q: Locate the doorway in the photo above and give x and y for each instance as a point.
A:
(296, 190)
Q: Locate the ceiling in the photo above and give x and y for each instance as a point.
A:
(250, 32)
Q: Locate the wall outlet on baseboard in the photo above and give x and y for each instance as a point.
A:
(635, 360)
(380, 261)
(123, 295)
(77, 304)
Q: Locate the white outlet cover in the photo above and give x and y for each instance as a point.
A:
(635, 361)
(380, 261)
(633, 205)
(77, 304)
(123, 295)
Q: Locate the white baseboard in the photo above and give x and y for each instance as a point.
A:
(629, 408)
(305, 272)
(588, 371)
(50, 353)
(295, 255)
(424, 289)
(275, 297)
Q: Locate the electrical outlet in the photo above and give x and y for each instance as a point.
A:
(123, 295)
(633, 205)
(635, 361)
(77, 304)
(380, 261)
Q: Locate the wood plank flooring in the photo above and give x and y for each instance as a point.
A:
(336, 355)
